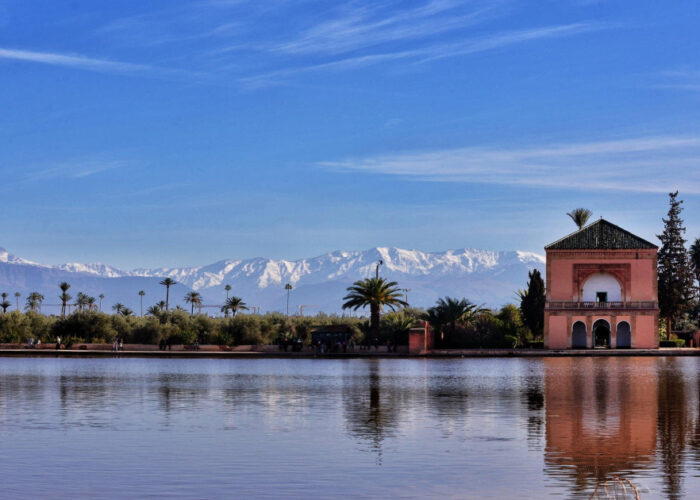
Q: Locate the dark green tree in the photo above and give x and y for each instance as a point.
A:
(532, 303)
(695, 258)
(674, 267)
(375, 293)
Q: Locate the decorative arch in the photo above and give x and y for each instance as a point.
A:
(607, 283)
(621, 272)
(623, 335)
(578, 335)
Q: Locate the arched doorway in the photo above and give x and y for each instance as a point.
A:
(601, 333)
(624, 335)
(578, 335)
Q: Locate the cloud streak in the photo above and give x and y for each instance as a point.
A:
(73, 61)
(651, 164)
(430, 53)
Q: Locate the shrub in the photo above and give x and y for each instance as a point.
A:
(672, 343)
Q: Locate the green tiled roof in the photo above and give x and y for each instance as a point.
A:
(601, 235)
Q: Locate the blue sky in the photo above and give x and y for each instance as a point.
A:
(179, 133)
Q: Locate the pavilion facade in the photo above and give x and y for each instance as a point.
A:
(601, 286)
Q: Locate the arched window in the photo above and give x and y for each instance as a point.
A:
(578, 335)
(624, 335)
(602, 287)
(601, 333)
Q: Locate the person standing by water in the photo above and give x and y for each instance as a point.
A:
(121, 344)
(58, 343)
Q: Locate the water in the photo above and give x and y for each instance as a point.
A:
(294, 428)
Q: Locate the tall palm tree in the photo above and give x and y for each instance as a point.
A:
(580, 216)
(34, 301)
(91, 303)
(288, 287)
(4, 304)
(235, 304)
(101, 296)
(17, 296)
(375, 293)
(65, 298)
(228, 289)
(141, 294)
(167, 283)
(161, 305)
(193, 298)
(118, 307)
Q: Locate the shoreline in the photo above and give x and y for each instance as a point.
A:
(446, 353)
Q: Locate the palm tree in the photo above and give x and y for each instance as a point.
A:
(34, 301)
(448, 312)
(141, 294)
(17, 296)
(235, 304)
(118, 307)
(580, 216)
(228, 289)
(101, 296)
(126, 312)
(90, 301)
(695, 258)
(4, 304)
(161, 305)
(82, 301)
(65, 298)
(167, 283)
(193, 298)
(288, 287)
(375, 293)
(153, 311)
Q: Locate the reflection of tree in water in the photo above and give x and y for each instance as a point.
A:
(674, 425)
(449, 399)
(372, 409)
(533, 401)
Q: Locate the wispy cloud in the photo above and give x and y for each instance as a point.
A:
(680, 79)
(643, 164)
(73, 61)
(76, 170)
(431, 53)
(358, 27)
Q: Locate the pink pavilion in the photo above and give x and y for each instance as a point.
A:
(601, 290)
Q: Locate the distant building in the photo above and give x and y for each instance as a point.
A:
(601, 290)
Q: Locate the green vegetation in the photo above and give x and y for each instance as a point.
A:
(375, 293)
(675, 269)
(532, 302)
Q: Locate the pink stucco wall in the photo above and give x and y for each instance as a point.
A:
(635, 271)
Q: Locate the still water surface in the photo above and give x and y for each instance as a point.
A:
(294, 428)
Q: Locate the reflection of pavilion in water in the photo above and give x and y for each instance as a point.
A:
(601, 418)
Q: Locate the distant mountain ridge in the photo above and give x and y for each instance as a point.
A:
(484, 276)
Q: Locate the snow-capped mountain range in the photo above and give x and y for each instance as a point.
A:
(319, 283)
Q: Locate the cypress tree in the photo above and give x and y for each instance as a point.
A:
(532, 303)
(674, 267)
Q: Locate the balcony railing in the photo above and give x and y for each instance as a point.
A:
(601, 305)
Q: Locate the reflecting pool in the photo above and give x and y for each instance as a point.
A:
(294, 428)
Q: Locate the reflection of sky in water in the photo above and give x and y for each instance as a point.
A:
(333, 428)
